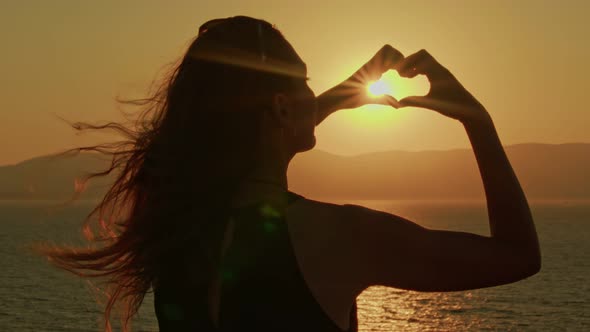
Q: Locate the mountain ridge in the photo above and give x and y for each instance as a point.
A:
(546, 171)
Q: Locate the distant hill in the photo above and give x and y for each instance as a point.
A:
(49, 178)
(546, 171)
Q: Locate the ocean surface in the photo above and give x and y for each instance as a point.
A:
(37, 297)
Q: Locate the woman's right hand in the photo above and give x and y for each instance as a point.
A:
(351, 93)
(446, 96)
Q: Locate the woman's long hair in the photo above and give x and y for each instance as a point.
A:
(179, 164)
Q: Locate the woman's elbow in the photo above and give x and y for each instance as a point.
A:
(535, 264)
(530, 265)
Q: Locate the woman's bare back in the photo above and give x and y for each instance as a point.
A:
(313, 230)
(310, 225)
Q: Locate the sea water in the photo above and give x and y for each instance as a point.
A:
(34, 296)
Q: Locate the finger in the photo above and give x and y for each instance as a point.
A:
(414, 64)
(386, 58)
(413, 101)
(423, 63)
(387, 100)
(389, 57)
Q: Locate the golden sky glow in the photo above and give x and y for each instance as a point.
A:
(526, 61)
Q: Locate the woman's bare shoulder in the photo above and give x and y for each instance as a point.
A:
(319, 214)
(351, 243)
(329, 212)
(338, 224)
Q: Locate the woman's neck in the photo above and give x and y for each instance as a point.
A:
(267, 182)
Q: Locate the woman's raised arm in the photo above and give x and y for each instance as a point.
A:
(509, 213)
(385, 249)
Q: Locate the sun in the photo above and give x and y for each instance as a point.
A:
(378, 88)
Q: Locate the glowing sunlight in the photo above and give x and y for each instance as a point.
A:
(393, 84)
(379, 116)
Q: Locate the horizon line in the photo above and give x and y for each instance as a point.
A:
(344, 155)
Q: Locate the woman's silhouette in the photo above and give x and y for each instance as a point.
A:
(201, 211)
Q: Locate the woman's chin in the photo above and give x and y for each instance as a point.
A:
(310, 144)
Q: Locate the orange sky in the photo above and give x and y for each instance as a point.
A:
(526, 61)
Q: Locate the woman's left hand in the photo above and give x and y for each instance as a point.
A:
(446, 96)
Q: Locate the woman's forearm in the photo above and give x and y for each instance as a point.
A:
(509, 214)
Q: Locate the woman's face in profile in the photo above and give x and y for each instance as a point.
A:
(305, 110)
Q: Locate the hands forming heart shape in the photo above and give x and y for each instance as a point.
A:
(446, 95)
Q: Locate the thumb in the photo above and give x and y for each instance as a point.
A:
(412, 101)
(387, 100)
